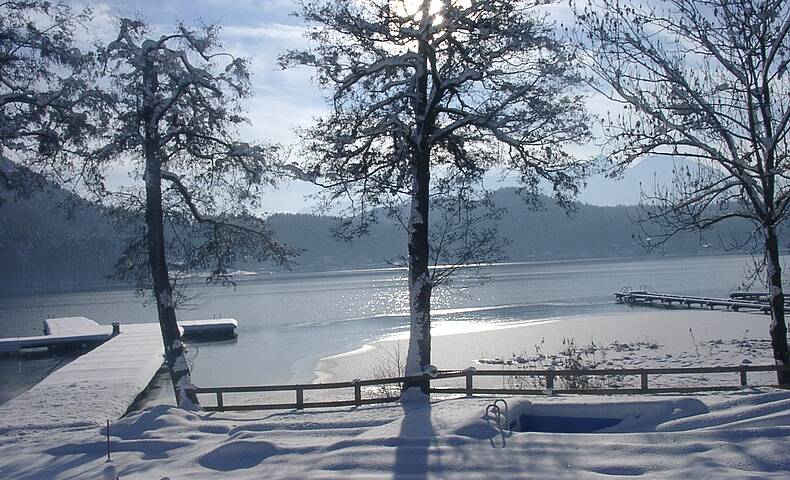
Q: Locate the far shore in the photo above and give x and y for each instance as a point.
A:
(255, 276)
(676, 337)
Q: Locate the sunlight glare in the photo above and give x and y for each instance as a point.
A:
(413, 8)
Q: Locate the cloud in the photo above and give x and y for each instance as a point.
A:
(270, 31)
(210, 11)
(275, 117)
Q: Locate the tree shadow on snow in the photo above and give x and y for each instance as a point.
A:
(414, 441)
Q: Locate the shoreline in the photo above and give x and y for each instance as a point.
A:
(670, 337)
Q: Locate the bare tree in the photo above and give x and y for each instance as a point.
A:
(47, 100)
(176, 105)
(436, 89)
(704, 80)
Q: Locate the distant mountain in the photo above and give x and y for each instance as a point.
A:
(548, 234)
(43, 247)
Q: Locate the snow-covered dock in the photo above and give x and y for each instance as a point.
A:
(649, 297)
(70, 332)
(100, 385)
(75, 332)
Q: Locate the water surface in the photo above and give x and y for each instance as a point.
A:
(288, 321)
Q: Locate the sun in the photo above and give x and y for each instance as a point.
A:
(414, 8)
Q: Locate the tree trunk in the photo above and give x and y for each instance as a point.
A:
(175, 352)
(776, 298)
(418, 358)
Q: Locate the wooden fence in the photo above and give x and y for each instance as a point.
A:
(548, 376)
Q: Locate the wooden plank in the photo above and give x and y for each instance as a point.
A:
(633, 371)
(386, 381)
(276, 388)
(592, 391)
(488, 391)
(618, 391)
(248, 407)
(292, 406)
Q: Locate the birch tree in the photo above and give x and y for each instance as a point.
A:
(176, 105)
(47, 99)
(436, 89)
(703, 80)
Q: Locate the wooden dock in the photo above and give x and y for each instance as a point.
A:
(647, 296)
(80, 333)
(100, 385)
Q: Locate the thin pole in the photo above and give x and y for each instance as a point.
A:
(108, 440)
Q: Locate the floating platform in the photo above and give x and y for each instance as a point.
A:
(215, 328)
(100, 385)
(647, 296)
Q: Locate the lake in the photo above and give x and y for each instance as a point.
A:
(288, 321)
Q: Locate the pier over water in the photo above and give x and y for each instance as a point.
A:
(100, 385)
(736, 302)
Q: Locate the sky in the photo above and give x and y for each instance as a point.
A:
(260, 30)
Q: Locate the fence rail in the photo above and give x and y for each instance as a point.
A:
(549, 376)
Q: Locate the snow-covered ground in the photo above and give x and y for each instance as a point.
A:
(648, 338)
(738, 435)
(743, 435)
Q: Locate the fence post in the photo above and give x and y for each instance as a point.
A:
(299, 398)
(550, 382)
(469, 382)
(426, 381)
(743, 377)
(644, 381)
(220, 404)
(357, 392)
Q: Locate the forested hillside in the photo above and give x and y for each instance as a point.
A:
(55, 240)
(593, 232)
(43, 246)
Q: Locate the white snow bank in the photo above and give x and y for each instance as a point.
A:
(450, 438)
